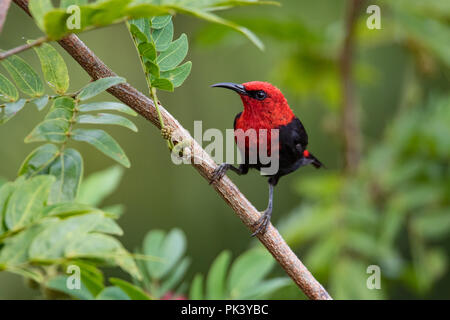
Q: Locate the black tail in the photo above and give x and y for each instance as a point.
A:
(315, 162)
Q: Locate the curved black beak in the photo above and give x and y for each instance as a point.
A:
(239, 88)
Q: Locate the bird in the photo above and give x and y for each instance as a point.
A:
(266, 108)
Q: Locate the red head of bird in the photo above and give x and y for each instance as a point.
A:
(264, 104)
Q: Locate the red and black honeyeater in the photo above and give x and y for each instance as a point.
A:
(266, 108)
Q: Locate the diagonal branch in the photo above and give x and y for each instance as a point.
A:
(271, 239)
(4, 6)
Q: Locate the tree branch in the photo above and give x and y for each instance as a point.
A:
(37, 42)
(4, 6)
(350, 120)
(271, 239)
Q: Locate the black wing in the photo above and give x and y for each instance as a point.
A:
(293, 136)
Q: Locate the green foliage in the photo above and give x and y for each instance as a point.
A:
(98, 86)
(53, 67)
(9, 110)
(53, 21)
(400, 195)
(44, 226)
(24, 76)
(135, 293)
(160, 56)
(245, 279)
(35, 233)
(8, 91)
(165, 266)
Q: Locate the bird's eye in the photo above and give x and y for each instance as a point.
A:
(260, 95)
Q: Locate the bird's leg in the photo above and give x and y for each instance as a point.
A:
(222, 169)
(263, 221)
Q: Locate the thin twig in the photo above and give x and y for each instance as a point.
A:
(271, 239)
(350, 121)
(4, 6)
(37, 42)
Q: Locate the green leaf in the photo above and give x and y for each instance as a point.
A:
(55, 127)
(175, 276)
(135, 293)
(8, 91)
(9, 110)
(103, 247)
(40, 102)
(152, 68)
(208, 16)
(168, 248)
(106, 118)
(113, 293)
(38, 9)
(26, 272)
(161, 21)
(26, 79)
(64, 210)
(101, 106)
(178, 75)
(67, 3)
(143, 10)
(100, 185)
(264, 289)
(6, 190)
(52, 130)
(91, 276)
(55, 23)
(15, 251)
(235, 3)
(196, 291)
(215, 282)
(138, 34)
(103, 142)
(68, 170)
(39, 160)
(163, 84)
(163, 37)
(114, 211)
(175, 53)
(53, 67)
(93, 245)
(59, 283)
(144, 26)
(98, 86)
(51, 243)
(147, 50)
(109, 226)
(27, 202)
(248, 269)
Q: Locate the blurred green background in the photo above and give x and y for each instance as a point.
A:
(338, 222)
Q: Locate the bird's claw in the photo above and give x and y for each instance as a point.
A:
(262, 223)
(219, 172)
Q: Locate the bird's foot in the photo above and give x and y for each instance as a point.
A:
(262, 223)
(219, 172)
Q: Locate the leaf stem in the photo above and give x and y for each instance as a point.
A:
(37, 42)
